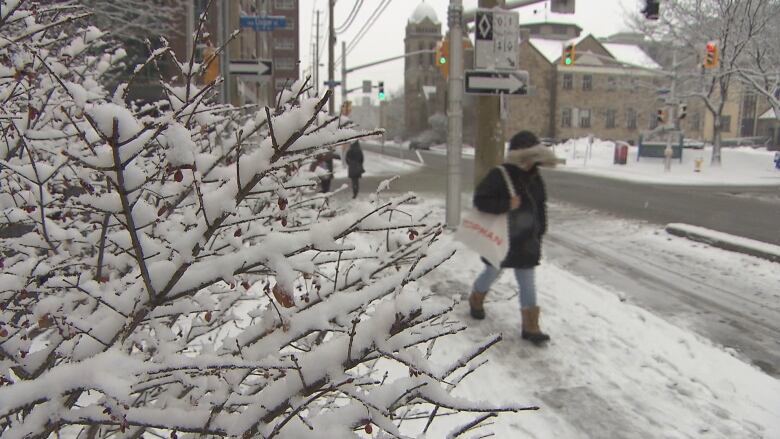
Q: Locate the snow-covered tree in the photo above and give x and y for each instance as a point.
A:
(167, 269)
(760, 71)
(733, 25)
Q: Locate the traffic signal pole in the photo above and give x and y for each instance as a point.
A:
(343, 72)
(331, 50)
(455, 115)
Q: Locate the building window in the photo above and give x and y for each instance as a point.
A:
(587, 82)
(285, 63)
(284, 43)
(290, 24)
(631, 119)
(584, 118)
(566, 118)
(611, 116)
(696, 121)
(284, 4)
(568, 81)
(611, 83)
(725, 124)
(653, 121)
(748, 116)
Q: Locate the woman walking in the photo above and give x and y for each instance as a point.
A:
(355, 166)
(492, 195)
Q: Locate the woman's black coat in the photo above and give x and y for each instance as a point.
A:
(355, 160)
(492, 196)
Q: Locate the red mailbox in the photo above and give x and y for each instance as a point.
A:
(621, 153)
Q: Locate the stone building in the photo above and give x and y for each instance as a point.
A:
(424, 86)
(609, 92)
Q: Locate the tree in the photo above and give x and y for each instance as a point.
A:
(178, 275)
(733, 25)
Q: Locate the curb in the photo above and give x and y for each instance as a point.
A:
(725, 241)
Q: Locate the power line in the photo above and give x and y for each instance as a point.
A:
(367, 26)
(350, 18)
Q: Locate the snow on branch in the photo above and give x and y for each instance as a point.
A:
(170, 267)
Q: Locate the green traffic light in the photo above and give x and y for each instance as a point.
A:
(381, 96)
(442, 60)
(568, 61)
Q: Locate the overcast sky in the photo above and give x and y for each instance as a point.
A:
(386, 38)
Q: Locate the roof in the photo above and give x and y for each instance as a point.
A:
(629, 54)
(423, 11)
(770, 114)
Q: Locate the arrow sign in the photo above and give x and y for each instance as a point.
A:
(494, 83)
(261, 69)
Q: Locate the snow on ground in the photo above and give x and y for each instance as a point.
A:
(377, 166)
(740, 166)
(707, 235)
(612, 368)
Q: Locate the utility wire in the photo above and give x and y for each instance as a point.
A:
(367, 26)
(350, 18)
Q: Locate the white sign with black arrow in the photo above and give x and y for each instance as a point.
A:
(495, 83)
(260, 69)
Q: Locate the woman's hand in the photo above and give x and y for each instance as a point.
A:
(515, 203)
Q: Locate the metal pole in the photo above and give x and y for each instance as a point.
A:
(317, 59)
(671, 123)
(455, 114)
(343, 72)
(190, 28)
(224, 34)
(331, 53)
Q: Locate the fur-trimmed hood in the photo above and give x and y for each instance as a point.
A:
(526, 158)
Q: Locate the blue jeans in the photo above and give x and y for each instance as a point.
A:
(525, 281)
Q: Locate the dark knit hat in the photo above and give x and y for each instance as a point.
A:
(523, 140)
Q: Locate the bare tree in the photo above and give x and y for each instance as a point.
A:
(760, 70)
(688, 25)
(179, 274)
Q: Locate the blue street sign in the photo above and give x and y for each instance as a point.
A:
(260, 23)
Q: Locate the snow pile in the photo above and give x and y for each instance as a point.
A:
(741, 166)
(726, 241)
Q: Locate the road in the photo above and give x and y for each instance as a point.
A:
(714, 293)
(751, 212)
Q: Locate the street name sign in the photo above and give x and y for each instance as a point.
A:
(260, 69)
(497, 83)
(263, 23)
(497, 39)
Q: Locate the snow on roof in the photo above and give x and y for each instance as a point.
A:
(770, 114)
(550, 49)
(631, 54)
(423, 11)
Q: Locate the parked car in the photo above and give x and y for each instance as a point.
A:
(547, 141)
(419, 144)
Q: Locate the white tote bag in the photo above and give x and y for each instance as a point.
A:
(487, 234)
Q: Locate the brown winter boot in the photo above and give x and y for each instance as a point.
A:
(476, 303)
(531, 331)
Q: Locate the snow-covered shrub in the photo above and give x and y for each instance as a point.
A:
(168, 268)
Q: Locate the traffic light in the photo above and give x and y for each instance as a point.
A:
(711, 58)
(652, 9)
(443, 57)
(381, 91)
(682, 111)
(661, 116)
(567, 58)
(211, 60)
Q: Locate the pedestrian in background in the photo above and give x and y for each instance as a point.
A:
(325, 163)
(355, 169)
(492, 195)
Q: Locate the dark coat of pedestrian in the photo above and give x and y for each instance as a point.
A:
(492, 195)
(354, 159)
(325, 163)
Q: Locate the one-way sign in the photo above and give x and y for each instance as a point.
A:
(260, 68)
(493, 83)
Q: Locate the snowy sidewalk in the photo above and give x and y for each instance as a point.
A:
(741, 166)
(612, 369)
